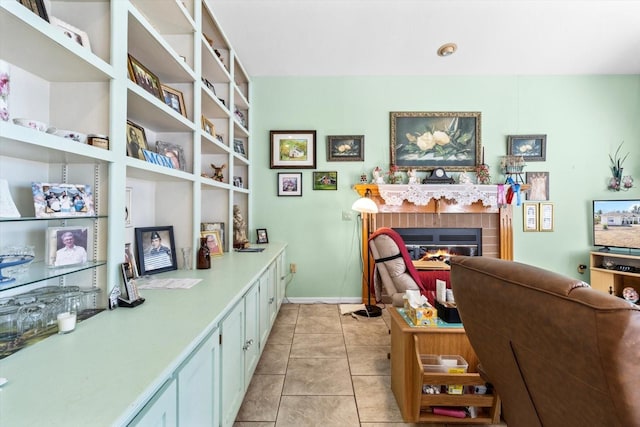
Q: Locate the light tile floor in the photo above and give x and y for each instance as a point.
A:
(322, 369)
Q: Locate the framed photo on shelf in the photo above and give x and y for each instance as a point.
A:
(215, 226)
(546, 216)
(345, 148)
(174, 99)
(290, 184)
(174, 152)
(208, 127)
(428, 140)
(262, 235)
(539, 185)
(136, 141)
(325, 180)
(53, 200)
(530, 216)
(213, 241)
(72, 32)
(67, 246)
(156, 249)
(293, 149)
(37, 7)
(144, 78)
(237, 181)
(238, 146)
(532, 148)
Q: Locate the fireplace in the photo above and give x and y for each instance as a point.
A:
(441, 243)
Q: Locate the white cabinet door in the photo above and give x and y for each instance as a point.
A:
(281, 278)
(252, 331)
(197, 397)
(161, 410)
(272, 275)
(265, 325)
(232, 363)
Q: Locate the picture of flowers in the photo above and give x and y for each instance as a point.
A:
(424, 141)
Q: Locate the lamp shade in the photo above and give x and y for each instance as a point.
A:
(365, 205)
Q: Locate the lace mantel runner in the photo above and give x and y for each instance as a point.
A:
(420, 195)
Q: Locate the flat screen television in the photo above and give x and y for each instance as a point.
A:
(616, 224)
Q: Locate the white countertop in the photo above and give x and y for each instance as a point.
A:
(111, 365)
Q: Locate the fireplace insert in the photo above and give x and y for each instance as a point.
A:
(441, 243)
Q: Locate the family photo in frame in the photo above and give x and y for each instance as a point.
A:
(156, 249)
(427, 140)
(67, 246)
(52, 200)
(144, 78)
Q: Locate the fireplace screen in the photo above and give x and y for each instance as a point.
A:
(441, 243)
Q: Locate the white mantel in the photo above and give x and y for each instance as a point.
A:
(422, 194)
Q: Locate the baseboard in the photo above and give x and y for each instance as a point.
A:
(322, 300)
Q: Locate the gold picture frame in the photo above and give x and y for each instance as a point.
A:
(530, 216)
(174, 99)
(208, 127)
(546, 216)
(214, 242)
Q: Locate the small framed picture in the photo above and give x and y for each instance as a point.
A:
(127, 206)
(174, 99)
(214, 226)
(532, 148)
(546, 216)
(325, 180)
(214, 243)
(262, 235)
(72, 32)
(237, 181)
(238, 146)
(52, 200)
(156, 249)
(174, 152)
(530, 217)
(208, 127)
(145, 78)
(67, 246)
(290, 184)
(539, 185)
(345, 148)
(37, 7)
(293, 149)
(136, 141)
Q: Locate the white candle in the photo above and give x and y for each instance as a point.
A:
(66, 322)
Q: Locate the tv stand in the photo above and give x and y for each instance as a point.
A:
(605, 249)
(608, 271)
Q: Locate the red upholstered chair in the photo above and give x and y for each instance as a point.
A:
(394, 270)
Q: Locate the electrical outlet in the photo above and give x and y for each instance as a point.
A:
(347, 215)
(293, 268)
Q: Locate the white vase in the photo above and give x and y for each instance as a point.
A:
(4, 90)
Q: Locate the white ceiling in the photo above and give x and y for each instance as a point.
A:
(401, 37)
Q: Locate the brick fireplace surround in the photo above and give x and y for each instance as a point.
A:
(496, 222)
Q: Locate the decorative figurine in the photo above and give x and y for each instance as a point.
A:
(413, 179)
(239, 229)
(217, 172)
(463, 178)
(377, 176)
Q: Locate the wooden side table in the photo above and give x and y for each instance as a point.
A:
(407, 376)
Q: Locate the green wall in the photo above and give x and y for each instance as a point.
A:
(584, 117)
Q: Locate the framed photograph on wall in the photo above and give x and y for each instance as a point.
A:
(293, 149)
(136, 141)
(533, 148)
(53, 200)
(428, 140)
(174, 152)
(156, 249)
(262, 235)
(144, 78)
(530, 216)
(72, 32)
(174, 99)
(345, 148)
(214, 242)
(325, 180)
(290, 184)
(67, 246)
(546, 216)
(539, 185)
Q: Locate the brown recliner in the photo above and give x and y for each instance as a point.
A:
(558, 352)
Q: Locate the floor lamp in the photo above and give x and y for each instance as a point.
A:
(366, 206)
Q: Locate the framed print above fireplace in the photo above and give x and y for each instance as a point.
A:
(427, 140)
